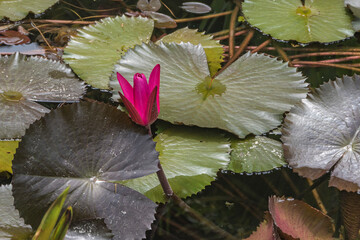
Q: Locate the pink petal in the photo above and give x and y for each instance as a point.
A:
(152, 112)
(126, 88)
(141, 95)
(154, 80)
(132, 111)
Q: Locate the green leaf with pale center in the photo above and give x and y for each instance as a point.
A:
(255, 154)
(24, 80)
(18, 9)
(96, 48)
(12, 226)
(190, 158)
(317, 20)
(213, 49)
(7, 151)
(250, 96)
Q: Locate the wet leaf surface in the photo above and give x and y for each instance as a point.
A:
(24, 80)
(250, 96)
(322, 133)
(86, 146)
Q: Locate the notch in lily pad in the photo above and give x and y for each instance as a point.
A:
(322, 134)
(88, 146)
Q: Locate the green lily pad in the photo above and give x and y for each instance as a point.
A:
(94, 51)
(213, 49)
(87, 146)
(7, 151)
(321, 134)
(291, 20)
(256, 154)
(250, 96)
(12, 226)
(18, 9)
(190, 157)
(28, 79)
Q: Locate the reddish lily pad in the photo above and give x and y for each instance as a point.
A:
(87, 146)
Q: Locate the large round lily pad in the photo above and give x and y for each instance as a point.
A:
(190, 157)
(24, 80)
(86, 146)
(291, 20)
(250, 96)
(321, 134)
(18, 9)
(94, 51)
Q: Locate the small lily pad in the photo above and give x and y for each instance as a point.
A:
(213, 49)
(94, 51)
(291, 20)
(256, 154)
(87, 146)
(321, 133)
(12, 226)
(28, 79)
(250, 96)
(7, 151)
(190, 157)
(18, 9)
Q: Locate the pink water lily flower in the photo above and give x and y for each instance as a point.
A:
(142, 100)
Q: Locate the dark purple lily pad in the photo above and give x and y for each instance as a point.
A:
(86, 146)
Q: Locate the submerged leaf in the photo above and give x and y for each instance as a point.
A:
(146, 5)
(18, 9)
(255, 154)
(265, 231)
(86, 146)
(94, 51)
(190, 158)
(196, 7)
(322, 133)
(213, 49)
(7, 151)
(27, 79)
(11, 225)
(250, 96)
(300, 220)
(291, 20)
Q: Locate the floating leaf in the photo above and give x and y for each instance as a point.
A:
(190, 158)
(7, 151)
(299, 220)
(23, 80)
(250, 96)
(146, 5)
(322, 133)
(86, 146)
(94, 51)
(291, 20)
(196, 7)
(213, 49)
(18, 9)
(11, 225)
(265, 230)
(161, 20)
(255, 154)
